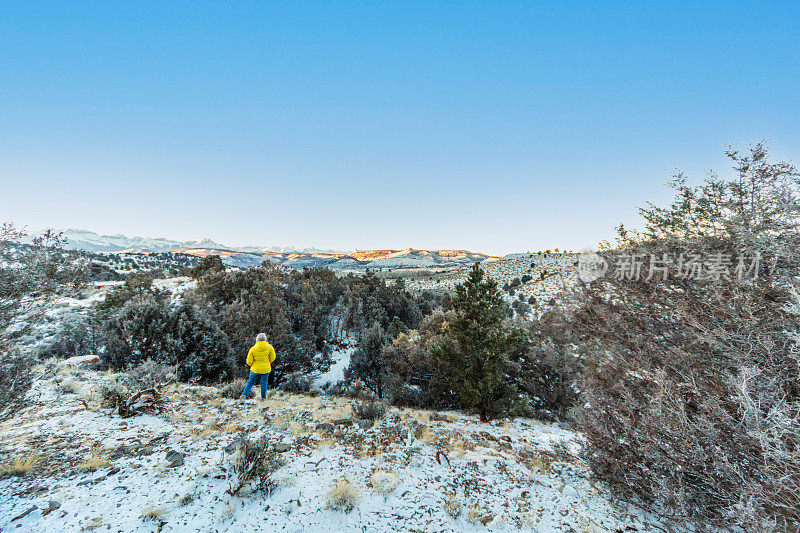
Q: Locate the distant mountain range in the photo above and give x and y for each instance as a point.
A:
(247, 256)
(89, 241)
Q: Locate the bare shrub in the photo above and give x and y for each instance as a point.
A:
(370, 410)
(296, 382)
(689, 394)
(112, 393)
(116, 396)
(253, 464)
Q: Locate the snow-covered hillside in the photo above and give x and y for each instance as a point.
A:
(80, 468)
(549, 274)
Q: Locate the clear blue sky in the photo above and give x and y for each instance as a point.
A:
(494, 126)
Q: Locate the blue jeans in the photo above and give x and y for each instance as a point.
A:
(252, 381)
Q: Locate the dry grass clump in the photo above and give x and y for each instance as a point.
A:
(476, 515)
(234, 389)
(20, 465)
(68, 387)
(97, 460)
(383, 482)
(427, 436)
(459, 446)
(297, 427)
(93, 524)
(152, 514)
(343, 496)
(206, 428)
(452, 505)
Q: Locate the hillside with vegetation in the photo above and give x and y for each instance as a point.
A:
(510, 394)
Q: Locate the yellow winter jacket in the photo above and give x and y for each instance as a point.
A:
(260, 357)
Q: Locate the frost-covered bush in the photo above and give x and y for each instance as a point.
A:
(549, 370)
(367, 363)
(370, 410)
(197, 346)
(692, 397)
(690, 390)
(42, 269)
(112, 393)
(138, 331)
(296, 382)
(416, 378)
(76, 335)
(16, 376)
(140, 324)
(149, 374)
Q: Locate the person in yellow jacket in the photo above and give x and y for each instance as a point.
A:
(259, 359)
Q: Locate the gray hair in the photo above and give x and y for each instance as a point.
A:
(261, 337)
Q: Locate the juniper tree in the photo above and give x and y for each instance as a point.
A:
(478, 346)
(211, 263)
(367, 362)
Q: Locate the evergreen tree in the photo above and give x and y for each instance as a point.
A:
(478, 345)
(211, 263)
(367, 362)
(138, 331)
(198, 346)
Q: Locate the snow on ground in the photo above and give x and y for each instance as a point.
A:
(175, 285)
(413, 470)
(335, 374)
